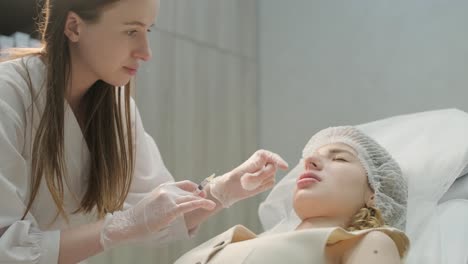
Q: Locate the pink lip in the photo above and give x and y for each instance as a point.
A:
(309, 174)
(306, 179)
(131, 71)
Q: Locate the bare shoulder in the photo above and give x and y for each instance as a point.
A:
(379, 238)
(374, 247)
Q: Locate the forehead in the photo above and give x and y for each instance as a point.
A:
(336, 147)
(144, 11)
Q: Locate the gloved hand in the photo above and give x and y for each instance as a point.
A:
(254, 176)
(153, 213)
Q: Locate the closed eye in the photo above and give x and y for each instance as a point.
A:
(340, 159)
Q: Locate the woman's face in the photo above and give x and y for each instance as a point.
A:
(112, 48)
(333, 184)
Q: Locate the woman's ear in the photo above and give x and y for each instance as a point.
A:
(73, 26)
(371, 201)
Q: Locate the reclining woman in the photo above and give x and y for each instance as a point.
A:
(351, 199)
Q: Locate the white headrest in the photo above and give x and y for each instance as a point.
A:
(430, 147)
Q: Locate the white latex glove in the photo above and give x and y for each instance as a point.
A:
(254, 176)
(153, 213)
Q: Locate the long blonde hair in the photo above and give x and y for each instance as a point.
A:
(107, 129)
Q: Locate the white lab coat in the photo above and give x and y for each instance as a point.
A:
(36, 239)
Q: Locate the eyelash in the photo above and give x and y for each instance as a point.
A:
(340, 159)
(131, 33)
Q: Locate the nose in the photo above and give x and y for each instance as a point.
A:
(313, 162)
(143, 52)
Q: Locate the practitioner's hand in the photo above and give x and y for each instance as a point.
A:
(254, 176)
(153, 213)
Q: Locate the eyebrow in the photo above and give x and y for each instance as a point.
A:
(137, 23)
(336, 151)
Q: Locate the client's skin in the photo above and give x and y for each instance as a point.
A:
(330, 191)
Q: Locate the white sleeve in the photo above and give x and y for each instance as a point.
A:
(149, 173)
(21, 241)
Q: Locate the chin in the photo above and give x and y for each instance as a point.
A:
(116, 78)
(118, 82)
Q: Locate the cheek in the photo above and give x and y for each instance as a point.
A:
(348, 181)
(102, 44)
(90, 48)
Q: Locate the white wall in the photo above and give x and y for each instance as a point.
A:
(326, 63)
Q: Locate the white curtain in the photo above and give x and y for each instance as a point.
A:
(198, 99)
